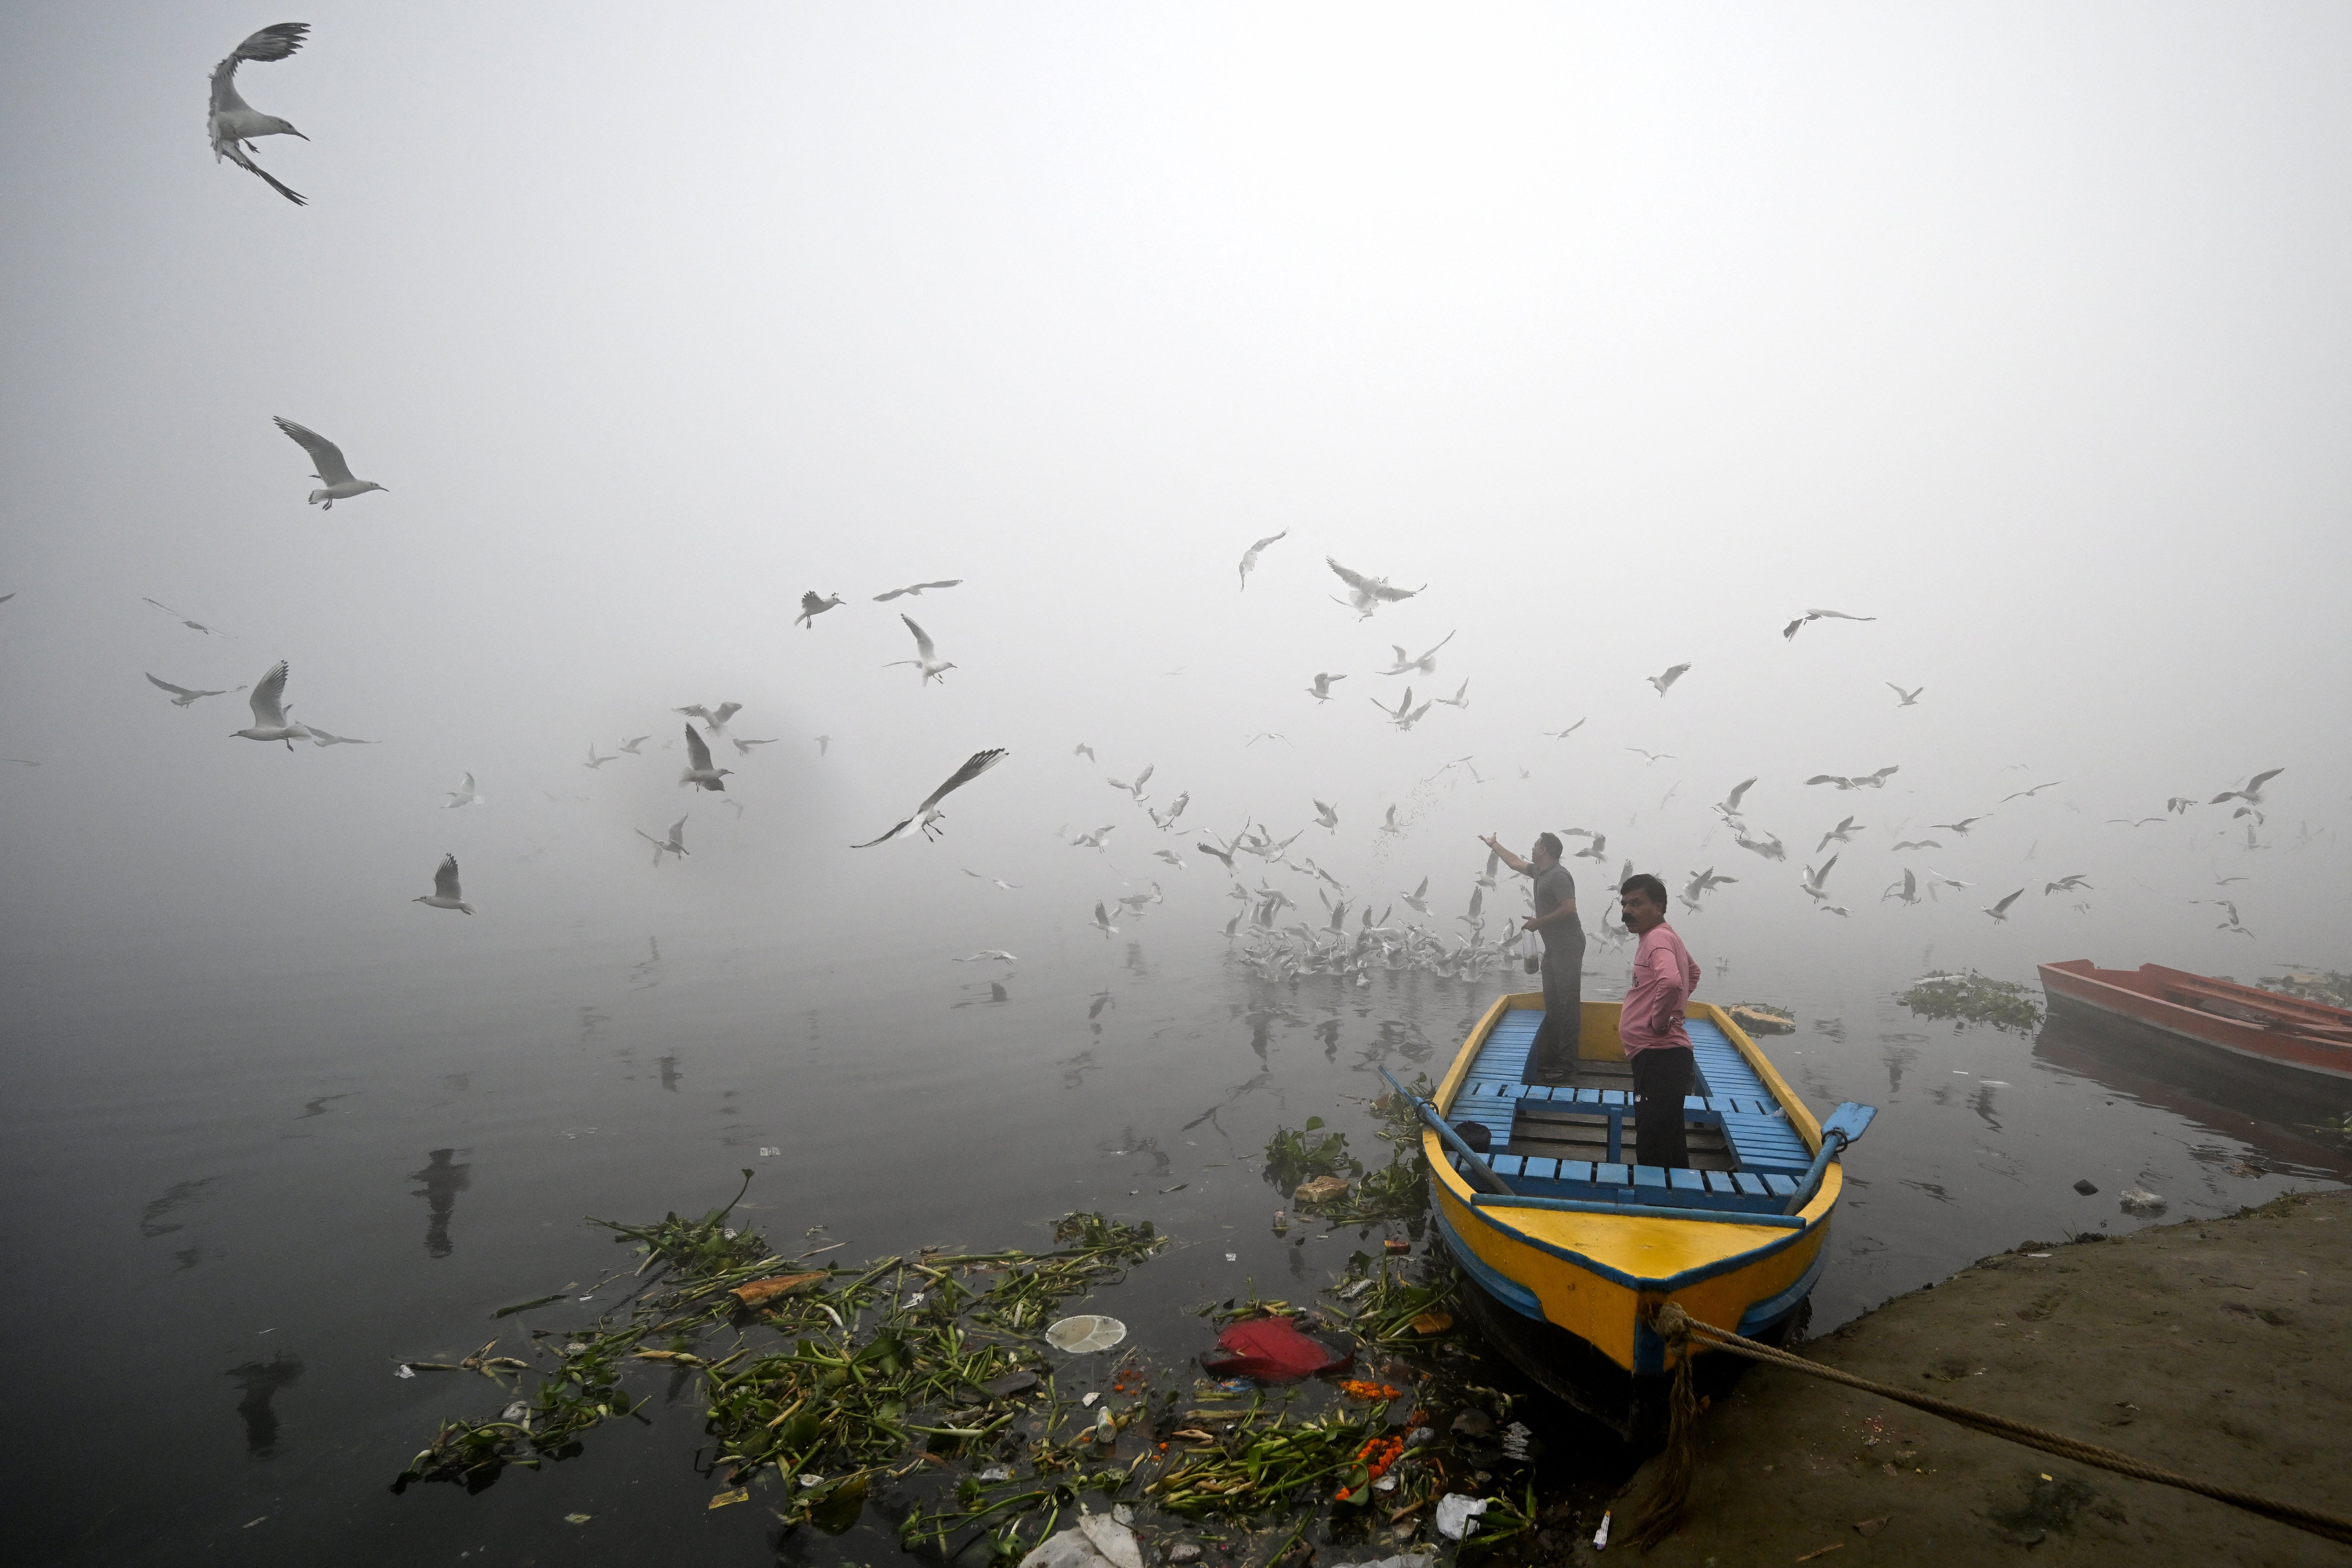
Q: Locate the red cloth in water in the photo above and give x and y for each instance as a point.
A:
(1271, 1349)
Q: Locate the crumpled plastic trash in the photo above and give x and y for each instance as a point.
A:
(1457, 1515)
(1115, 1541)
(2141, 1201)
(402, 1369)
(1271, 1349)
(1098, 1541)
(1084, 1333)
(995, 1473)
(1409, 1560)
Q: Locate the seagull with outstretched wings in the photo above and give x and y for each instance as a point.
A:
(1249, 556)
(915, 589)
(1366, 594)
(182, 696)
(333, 474)
(927, 813)
(232, 123)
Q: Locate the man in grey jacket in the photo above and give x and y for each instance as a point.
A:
(1553, 1055)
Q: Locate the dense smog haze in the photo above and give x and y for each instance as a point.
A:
(1632, 337)
(1881, 470)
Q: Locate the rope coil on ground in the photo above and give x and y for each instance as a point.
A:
(1664, 1506)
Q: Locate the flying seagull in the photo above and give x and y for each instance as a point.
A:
(1326, 815)
(181, 696)
(1728, 806)
(446, 894)
(1903, 843)
(2065, 884)
(2252, 794)
(812, 606)
(231, 121)
(192, 625)
(927, 813)
(1249, 556)
(1651, 758)
(596, 762)
(1083, 749)
(927, 658)
(699, 769)
(464, 794)
(713, 720)
(2030, 793)
(1905, 891)
(630, 744)
(1461, 698)
(743, 747)
(1366, 594)
(1322, 689)
(674, 845)
(2000, 911)
(915, 589)
(1102, 922)
(824, 742)
(1668, 679)
(1813, 882)
(268, 703)
(1789, 631)
(1425, 664)
(1842, 834)
(1962, 826)
(1770, 847)
(1907, 698)
(1572, 729)
(321, 738)
(332, 472)
(1860, 781)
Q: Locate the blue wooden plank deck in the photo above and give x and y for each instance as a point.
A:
(1729, 1093)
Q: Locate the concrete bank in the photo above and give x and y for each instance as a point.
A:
(2221, 1349)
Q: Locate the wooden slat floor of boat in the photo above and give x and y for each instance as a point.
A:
(1754, 1131)
(1587, 1138)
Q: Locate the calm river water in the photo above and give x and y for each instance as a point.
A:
(235, 1207)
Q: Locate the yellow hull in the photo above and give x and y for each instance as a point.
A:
(1601, 1275)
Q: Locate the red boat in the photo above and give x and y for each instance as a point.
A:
(2261, 1025)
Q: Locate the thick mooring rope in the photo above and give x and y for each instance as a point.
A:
(1663, 1505)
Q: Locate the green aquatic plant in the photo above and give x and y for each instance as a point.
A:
(1974, 998)
(1292, 1156)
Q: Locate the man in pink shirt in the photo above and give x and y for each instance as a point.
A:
(1651, 1024)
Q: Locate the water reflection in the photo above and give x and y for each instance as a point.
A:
(319, 1106)
(670, 1077)
(2276, 1109)
(1981, 1103)
(178, 1195)
(260, 1381)
(443, 1182)
(1897, 1057)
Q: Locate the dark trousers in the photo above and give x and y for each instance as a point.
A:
(1558, 1041)
(1662, 1077)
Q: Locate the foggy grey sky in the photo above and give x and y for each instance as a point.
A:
(1633, 333)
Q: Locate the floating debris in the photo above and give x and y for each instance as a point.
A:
(1457, 1515)
(2326, 986)
(2140, 1201)
(2086, 1187)
(1085, 1334)
(1763, 1018)
(1973, 998)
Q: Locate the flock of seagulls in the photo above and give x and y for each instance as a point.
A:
(1350, 940)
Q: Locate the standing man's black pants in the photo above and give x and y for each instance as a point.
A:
(1561, 1037)
(1662, 1075)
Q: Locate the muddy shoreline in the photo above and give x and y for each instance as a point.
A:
(2219, 1347)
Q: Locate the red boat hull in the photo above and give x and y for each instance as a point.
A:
(2260, 1025)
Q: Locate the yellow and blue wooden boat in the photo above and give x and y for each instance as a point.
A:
(1569, 1249)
